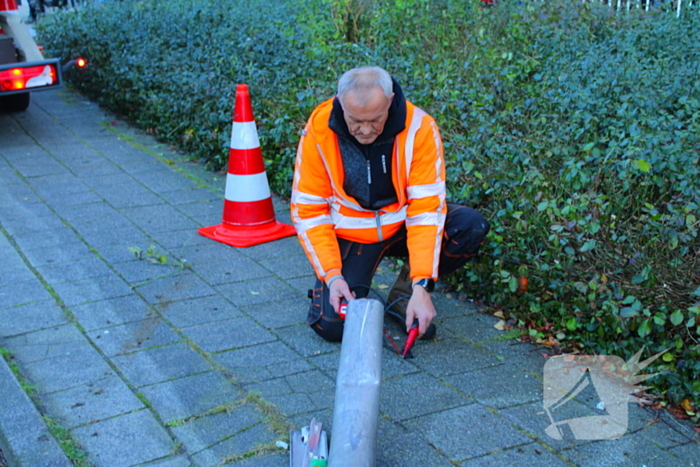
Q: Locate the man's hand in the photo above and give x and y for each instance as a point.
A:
(420, 307)
(338, 290)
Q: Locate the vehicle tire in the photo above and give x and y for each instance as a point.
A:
(15, 102)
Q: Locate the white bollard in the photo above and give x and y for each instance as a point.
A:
(356, 412)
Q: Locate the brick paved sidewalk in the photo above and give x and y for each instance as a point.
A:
(142, 343)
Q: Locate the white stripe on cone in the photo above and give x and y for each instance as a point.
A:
(244, 135)
(246, 188)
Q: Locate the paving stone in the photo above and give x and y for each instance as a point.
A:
(193, 395)
(409, 451)
(33, 224)
(185, 313)
(92, 167)
(133, 336)
(51, 255)
(266, 460)
(525, 356)
(261, 362)
(660, 428)
(687, 454)
(257, 291)
(204, 213)
(14, 270)
(164, 179)
(129, 236)
(112, 312)
(305, 341)
(532, 455)
(425, 393)
(87, 268)
(25, 438)
(302, 285)
(451, 356)
(279, 314)
(479, 431)
(21, 196)
(533, 420)
(59, 186)
(125, 440)
(89, 215)
(226, 271)
(288, 267)
(202, 254)
(91, 290)
(270, 387)
(74, 199)
(19, 210)
(238, 444)
(302, 403)
(102, 399)
(625, 451)
(172, 461)
(498, 386)
(176, 239)
(204, 432)
(141, 271)
(138, 164)
(161, 364)
(115, 254)
(475, 327)
(83, 366)
(229, 334)
(19, 293)
(39, 166)
(115, 182)
(30, 317)
(101, 224)
(46, 343)
(279, 248)
(129, 196)
(183, 285)
(161, 218)
(196, 201)
(58, 237)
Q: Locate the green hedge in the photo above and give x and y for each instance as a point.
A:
(574, 128)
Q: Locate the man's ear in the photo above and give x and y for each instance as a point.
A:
(391, 99)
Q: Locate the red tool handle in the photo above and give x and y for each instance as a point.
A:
(343, 309)
(411, 338)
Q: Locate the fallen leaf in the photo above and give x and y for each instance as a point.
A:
(449, 295)
(685, 403)
(500, 325)
(499, 314)
(383, 286)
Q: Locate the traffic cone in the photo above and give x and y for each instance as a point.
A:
(249, 217)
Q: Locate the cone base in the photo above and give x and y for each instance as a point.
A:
(245, 236)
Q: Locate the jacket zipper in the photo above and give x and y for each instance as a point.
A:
(380, 234)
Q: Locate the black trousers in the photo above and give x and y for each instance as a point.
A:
(465, 229)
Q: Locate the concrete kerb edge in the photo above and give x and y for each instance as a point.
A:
(25, 439)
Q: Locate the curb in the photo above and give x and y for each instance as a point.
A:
(25, 439)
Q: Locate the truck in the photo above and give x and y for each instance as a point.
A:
(23, 68)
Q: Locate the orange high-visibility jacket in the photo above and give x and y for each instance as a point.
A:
(321, 210)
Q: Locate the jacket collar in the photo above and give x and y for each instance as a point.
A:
(395, 124)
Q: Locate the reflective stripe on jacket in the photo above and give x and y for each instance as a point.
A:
(322, 211)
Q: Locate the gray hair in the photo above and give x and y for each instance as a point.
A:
(365, 78)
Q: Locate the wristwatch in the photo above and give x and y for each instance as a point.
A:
(427, 284)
